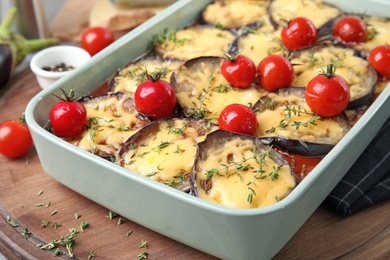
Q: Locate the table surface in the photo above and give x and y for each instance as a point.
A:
(24, 186)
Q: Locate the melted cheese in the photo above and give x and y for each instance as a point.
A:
(195, 42)
(259, 45)
(196, 90)
(352, 68)
(234, 14)
(232, 188)
(165, 156)
(380, 27)
(314, 10)
(327, 129)
(111, 124)
(135, 73)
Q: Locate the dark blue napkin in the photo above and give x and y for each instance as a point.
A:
(368, 180)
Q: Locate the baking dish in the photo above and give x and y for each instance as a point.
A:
(220, 231)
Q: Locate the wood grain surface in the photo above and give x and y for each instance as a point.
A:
(24, 186)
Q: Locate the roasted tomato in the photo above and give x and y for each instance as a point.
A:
(238, 118)
(299, 33)
(155, 98)
(239, 71)
(327, 94)
(15, 138)
(379, 59)
(350, 29)
(275, 72)
(68, 117)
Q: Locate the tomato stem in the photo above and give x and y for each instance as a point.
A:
(67, 97)
(330, 71)
(232, 58)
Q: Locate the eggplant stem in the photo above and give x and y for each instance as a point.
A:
(5, 25)
(36, 44)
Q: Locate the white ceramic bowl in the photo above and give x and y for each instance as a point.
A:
(52, 56)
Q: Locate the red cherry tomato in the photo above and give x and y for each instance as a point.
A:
(379, 59)
(95, 39)
(238, 118)
(68, 117)
(327, 94)
(350, 29)
(299, 33)
(155, 98)
(275, 72)
(239, 71)
(15, 139)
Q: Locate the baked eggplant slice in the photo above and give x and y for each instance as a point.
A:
(286, 121)
(233, 14)
(165, 150)
(240, 171)
(356, 70)
(112, 119)
(317, 11)
(127, 79)
(191, 42)
(203, 92)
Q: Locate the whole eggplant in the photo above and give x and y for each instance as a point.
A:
(14, 47)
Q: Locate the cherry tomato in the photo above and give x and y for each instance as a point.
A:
(68, 117)
(299, 33)
(95, 39)
(379, 59)
(239, 71)
(155, 98)
(350, 29)
(327, 94)
(15, 139)
(238, 118)
(275, 72)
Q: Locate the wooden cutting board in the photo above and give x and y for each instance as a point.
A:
(28, 197)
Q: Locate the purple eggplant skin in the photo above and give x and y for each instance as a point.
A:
(5, 64)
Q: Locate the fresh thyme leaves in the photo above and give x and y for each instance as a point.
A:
(177, 179)
(26, 233)
(143, 244)
(176, 130)
(111, 215)
(128, 233)
(91, 254)
(179, 150)
(77, 215)
(40, 192)
(67, 241)
(166, 38)
(161, 146)
(120, 221)
(11, 222)
(288, 112)
(45, 223)
(223, 88)
(83, 225)
(56, 225)
(143, 255)
(54, 212)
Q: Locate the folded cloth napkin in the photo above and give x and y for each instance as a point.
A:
(368, 180)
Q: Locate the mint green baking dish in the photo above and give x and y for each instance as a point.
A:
(220, 231)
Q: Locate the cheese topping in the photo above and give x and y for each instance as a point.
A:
(352, 68)
(286, 111)
(111, 121)
(234, 14)
(202, 89)
(380, 28)
(314, 10)
(242, 178)
(195, 42)
(259, 45)
(166, 155)
(134, 74)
